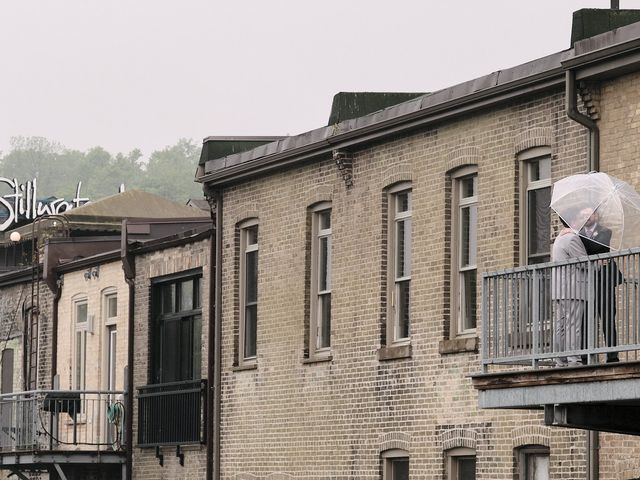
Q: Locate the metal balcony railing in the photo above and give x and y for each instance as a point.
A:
(172, 413)
(54, 420)
(521, 308)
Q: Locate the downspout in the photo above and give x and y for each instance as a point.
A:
(217, 422)
(211, 343)
(54, 333)
(571, 101)
(593, 165)
(128, 265)
(593, 455)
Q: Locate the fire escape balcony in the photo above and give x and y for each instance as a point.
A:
(588, 379)
(43, 429)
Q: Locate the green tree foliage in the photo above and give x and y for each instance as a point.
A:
(168, 173)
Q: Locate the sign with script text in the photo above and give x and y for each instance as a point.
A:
(22, 202)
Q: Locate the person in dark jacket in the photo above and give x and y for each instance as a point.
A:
(596, 239)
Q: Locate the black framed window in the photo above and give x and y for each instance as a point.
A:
(176, 329)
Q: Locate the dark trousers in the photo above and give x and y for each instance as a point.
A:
(606, 279)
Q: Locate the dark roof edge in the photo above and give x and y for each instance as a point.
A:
(178, 239)
(438, 112)
(593, 56)
(153, 245)
(241, 138)
(623, 40)
(15, 277)
(99, 259)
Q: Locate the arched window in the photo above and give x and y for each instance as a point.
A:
(395, 464)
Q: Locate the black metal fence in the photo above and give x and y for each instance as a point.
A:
(172, 413)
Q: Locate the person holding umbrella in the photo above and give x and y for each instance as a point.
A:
(596, 239)
(568, 294)
(605, 212)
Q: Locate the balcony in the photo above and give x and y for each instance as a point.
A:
(172, 414)
(41, 429)
(524, 360)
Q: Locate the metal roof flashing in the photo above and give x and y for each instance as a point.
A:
(537, 75)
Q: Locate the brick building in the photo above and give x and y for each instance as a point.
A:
(66, 331)
(349, 312)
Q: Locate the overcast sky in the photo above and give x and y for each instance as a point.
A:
(127, 74)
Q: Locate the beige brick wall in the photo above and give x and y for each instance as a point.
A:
(150, 266)
(332, 419)
(76, 287)
(619, 156)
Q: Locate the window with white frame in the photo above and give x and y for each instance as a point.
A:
(533, 462)
(320, 324)
(461, 464)
(110, 307)
(248, 291)
(535, 211)
(110, 314)
(464, 248)
(81, 326)
(399, 264)
(395, 465)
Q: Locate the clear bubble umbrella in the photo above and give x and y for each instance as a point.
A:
(595, 202)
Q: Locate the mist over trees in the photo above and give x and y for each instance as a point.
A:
(168, 172)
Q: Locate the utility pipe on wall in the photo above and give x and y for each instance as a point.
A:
(218, 340)
(128, 265)
(211, 337)
(54, 331)
(593, 165)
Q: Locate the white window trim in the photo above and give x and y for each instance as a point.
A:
(244, 249)
(392, 280)
(525, 158)
(316, 234)
(106, 295)
(82, 361)
(389, 455)
(452, 460)
(109, 330)
(456, 329)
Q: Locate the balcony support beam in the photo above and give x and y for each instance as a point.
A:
(606, 383)
(60, 472)
(612, 418)
(19, 474)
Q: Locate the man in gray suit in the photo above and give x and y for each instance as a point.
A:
(568, 293)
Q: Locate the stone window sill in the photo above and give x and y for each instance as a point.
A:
(458, 345)
(317, 359)
(394, 352)
(246, 366)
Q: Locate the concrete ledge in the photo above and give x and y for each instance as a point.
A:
(395, 352)
(458, 345)
(242, 368)
(317, 359)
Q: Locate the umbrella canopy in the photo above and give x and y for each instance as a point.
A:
(597, 202)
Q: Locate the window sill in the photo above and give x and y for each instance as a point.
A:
(458, 345)
(317, 359)
(246, 366)
(394, 352)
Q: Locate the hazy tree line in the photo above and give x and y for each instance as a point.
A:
(168, 172)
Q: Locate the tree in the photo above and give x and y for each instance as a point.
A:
(170, 172)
